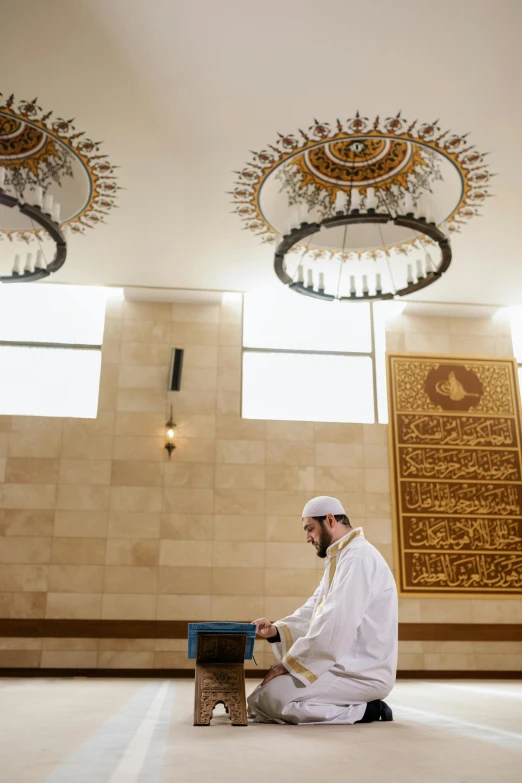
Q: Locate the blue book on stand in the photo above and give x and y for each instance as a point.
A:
(246, 628)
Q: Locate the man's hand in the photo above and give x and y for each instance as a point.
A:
(275, 671)
(265, 628)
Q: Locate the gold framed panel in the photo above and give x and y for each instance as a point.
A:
(455, 443)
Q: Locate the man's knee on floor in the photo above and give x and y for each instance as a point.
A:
(270, 698)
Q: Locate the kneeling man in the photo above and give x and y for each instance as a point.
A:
(338, 652)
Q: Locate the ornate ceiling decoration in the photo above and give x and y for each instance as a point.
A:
(361, 167)
(49, 165)
(40, 150)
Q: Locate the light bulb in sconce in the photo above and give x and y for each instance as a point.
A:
(170, 433)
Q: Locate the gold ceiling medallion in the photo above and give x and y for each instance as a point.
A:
(322, 196)
(42, 155)
(362, 164)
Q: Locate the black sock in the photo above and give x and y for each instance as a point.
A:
(372, 712)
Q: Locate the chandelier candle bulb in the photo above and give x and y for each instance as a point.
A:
(309, 279)
(321, 281)
(2, 176)
(409, 274)
(355, 199)
(48, 204)
(55, 214)
(38, 196)
(340, 201)
(365, 284)
(28, 263)
(378, 286)
(300, 274)
(371, 201)
(17, 266)
(352, 284)
(420, 269)
(408, 204)
(39, 263)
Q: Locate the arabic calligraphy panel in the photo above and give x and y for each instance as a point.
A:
(457, 477)
(458, 463)
(456, 533)
(444, 497)
(464, 570)
(442, 430)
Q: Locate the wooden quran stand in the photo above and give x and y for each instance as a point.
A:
(220, 677)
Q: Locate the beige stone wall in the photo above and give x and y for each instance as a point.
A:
(460, 336)
(95, 522)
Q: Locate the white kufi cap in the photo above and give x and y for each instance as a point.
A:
(321, 506)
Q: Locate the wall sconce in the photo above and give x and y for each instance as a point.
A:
(169, 434)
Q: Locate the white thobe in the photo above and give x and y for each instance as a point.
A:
(340, 648)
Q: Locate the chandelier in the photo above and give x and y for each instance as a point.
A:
(46, 215)
(362, 210)
(304, 281)
(54, 182)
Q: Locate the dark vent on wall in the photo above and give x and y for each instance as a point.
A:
(175, 369)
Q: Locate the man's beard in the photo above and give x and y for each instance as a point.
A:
(325, 540)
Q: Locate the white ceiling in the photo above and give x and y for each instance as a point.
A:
(181, 90)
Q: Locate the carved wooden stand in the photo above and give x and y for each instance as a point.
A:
(220, 677)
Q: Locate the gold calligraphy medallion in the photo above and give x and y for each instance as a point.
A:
(453, 389)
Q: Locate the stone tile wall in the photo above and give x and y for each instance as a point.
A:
(96, 522)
